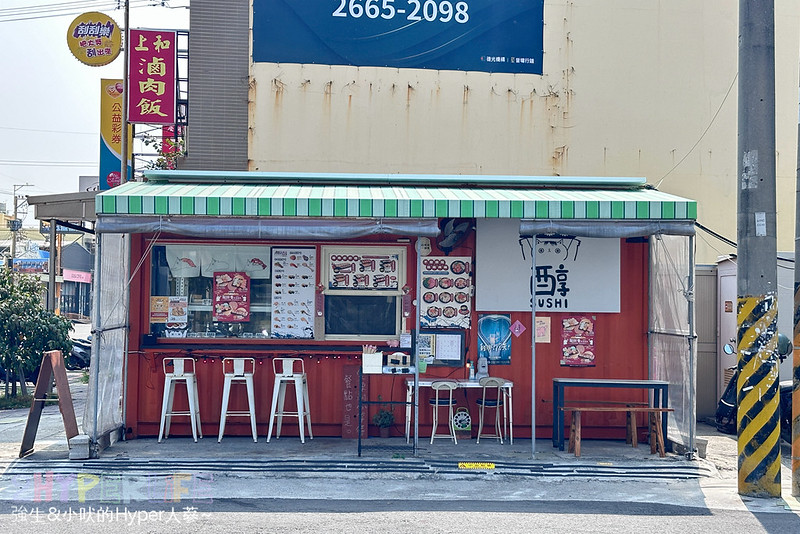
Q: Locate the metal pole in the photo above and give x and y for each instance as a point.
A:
(15, 229)
(96, 335)
(692, 351)
(757, 387)
(51, 276)
(124, 143)
(126, 340)
(796, 338)
(14, 233)
(533, 348)
(416, 349)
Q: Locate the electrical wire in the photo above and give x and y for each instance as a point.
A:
(46, 131)
(713, 119)
(63, 9)
(33, 163)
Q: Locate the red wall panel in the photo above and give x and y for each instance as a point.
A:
(621, 352)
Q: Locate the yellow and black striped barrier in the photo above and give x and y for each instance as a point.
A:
(758, 415)
(796, 405)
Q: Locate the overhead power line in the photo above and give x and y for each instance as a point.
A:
(61, 9)
(47, 163)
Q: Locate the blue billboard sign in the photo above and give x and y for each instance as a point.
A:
(467, 35)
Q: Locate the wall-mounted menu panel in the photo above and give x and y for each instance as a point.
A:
(293, 291)
(446, 292)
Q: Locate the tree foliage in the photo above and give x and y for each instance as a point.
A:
(27, 329)
(169, 151)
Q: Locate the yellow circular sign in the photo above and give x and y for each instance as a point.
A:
(94, 38)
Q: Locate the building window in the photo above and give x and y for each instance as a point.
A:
(363, 287)
(210, 291)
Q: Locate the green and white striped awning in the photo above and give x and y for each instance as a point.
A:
(386, 201)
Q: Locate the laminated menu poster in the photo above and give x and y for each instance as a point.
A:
(350, 270)
(178, 308)
(446, 292)
(577, 341)
(159, 309)
(231, 297)
(293, 274)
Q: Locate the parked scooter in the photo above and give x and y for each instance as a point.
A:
(80, 355)
(727, 406)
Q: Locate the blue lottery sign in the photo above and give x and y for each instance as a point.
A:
(467, 35)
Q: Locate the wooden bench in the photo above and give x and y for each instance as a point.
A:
(656, 434)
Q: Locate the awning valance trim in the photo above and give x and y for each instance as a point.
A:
(266, 228)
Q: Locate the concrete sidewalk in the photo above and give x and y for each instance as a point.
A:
(286, 468)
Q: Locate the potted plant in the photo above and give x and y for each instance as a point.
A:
(383, 419)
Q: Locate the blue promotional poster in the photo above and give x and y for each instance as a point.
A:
(494, 338)
(466, 35)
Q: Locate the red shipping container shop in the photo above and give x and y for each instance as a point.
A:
(267, 265)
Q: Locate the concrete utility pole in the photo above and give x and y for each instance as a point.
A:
(16, 225)
(757, 388)
(796, 336)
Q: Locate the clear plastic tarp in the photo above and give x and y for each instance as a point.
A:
(263, 228)
(671, 337)
(103, 412)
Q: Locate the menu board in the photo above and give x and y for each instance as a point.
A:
(363, 271)
(293, 292)
(231, 297)
(446, 292)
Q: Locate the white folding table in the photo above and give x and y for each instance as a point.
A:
(508, 406)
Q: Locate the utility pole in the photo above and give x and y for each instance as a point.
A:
(757, 318)
(796, 336)
(125, 101)
(15, 225)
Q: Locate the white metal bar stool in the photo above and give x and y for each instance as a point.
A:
(290, 371)
(488, 384)
(238, 370)
(183, 370)
(442, 386)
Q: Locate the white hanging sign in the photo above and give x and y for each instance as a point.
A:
(573, 274)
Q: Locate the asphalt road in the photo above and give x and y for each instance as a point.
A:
(345, 516)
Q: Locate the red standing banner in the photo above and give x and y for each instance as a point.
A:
(152, 76)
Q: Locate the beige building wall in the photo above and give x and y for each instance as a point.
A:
(630, 88)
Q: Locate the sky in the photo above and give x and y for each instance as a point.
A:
(49, 101)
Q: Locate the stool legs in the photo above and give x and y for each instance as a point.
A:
(251, 403)
(166, 404)
(277, 393)
(307, 409)
(166, 407)
(298, 393)
(303, 408)
(226, 391)
(191, 393)
(449, 423)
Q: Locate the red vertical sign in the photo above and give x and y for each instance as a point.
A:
(152, 76)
